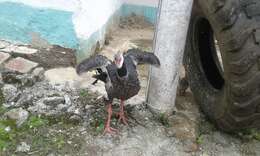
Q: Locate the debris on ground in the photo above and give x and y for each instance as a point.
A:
(134, 22)
(49, 110)
(51, 57)
(23, 147)
(19, 115)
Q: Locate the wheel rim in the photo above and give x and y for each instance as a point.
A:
(210, 60)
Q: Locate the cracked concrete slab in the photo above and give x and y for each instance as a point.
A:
(20, 65)
(19, 49)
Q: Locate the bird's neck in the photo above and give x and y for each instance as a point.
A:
(122, 71)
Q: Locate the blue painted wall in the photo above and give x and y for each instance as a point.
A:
(18, 20)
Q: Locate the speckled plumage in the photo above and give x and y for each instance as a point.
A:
(120, 83)
(120, 78)
(126, 86)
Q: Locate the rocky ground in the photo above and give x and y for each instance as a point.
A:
(46, 109)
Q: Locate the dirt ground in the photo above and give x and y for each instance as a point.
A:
(184, 132)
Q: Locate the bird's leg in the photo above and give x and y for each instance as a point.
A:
(122, 117)
(109, 129)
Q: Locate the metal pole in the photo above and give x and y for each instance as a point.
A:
(170, 37)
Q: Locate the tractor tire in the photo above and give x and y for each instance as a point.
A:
(222, 61)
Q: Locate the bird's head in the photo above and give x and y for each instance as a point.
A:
(119, 59)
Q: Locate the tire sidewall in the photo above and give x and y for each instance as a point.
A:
(211, 101)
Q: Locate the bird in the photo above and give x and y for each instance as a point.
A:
(120, 77)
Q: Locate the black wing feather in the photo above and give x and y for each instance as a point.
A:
(102, 77)
(92, 63)
(142, 57)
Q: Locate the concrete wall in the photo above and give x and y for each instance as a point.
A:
(45, 16)
(92, 21)
(78, 24)
(18, 21)
(92, 15)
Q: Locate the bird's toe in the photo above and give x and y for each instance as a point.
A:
(122, 118)
(110, 130)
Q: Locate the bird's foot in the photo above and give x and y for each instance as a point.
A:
(122, 118)
(110, 130)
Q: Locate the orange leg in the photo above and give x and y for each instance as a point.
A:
(122, 117)
(109, 129)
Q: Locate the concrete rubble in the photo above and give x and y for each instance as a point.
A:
(59, 93)
(3, 57)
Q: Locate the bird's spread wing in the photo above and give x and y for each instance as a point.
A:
(141, 57)
(92, 63)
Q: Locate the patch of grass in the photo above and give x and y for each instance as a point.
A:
(36, 122)
(163, 118)
(39, 140)
(83, 93)
(3, 144)
(2, 110)
(2, 99)
(59, 141)
(256, 134)
(7, 133)
(43, 134)
(250, 134)
(98, 126)
(199, 140)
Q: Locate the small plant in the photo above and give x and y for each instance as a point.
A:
(7, 135)
(9, 131)
(35, 122)
(83, 93)
(199, 139)
(59, 141)
(100, 127)
(2, 110)
(2, 99)
(251, 134)
(163, 118)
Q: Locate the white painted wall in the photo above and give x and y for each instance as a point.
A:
(153, 3)
(92, 15)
